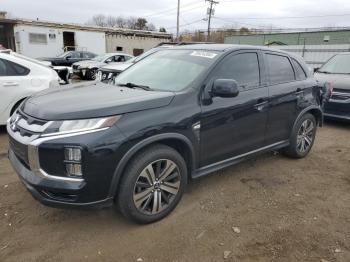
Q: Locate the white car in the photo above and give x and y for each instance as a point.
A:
(21, 77)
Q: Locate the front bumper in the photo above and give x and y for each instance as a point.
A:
(337, 109)
(40, 163)
(42, 188)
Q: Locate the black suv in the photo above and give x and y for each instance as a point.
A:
(178, 114)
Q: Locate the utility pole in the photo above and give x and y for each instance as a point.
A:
(210, 13)
(178, 20)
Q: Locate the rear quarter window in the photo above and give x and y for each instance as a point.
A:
(299, 71)
(280, 69)
(9, 68)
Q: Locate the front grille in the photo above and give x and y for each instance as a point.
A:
(20, 150)
(25, 129)
(108, 76)
(340, 94)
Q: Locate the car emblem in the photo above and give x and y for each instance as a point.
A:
(14, 124)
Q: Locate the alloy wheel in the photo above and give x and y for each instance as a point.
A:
(156, 186)
(305, 136)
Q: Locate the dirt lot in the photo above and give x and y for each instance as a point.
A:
(285, 210)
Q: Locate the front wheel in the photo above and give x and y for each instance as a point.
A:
(152, 185)
(303, 137)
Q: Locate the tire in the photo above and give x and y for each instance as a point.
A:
(302, 137)
(144, 198)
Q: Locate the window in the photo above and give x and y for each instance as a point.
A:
(119, 48)
(35, 38)
(299, 71)
(137, 51)
(280, 69)
(8, 68)
(74, 55)
(119, 58)
(88, 55)
(244, 68)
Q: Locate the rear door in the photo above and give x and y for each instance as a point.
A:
(234, 126)
(284, 92)
(14, 78)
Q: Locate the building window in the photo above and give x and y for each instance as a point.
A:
(119, 48)
(37, 38)
(52, 37)
(137, 51)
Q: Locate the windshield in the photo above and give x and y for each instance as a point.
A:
(100, 58)
(339, 64)
(64, 54)
(168, 70)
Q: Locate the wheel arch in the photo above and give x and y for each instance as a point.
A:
(178, 142)
(16, 105)
(315, 111)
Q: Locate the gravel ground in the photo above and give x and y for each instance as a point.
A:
(267, 209)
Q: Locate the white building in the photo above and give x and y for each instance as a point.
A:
(42, 39)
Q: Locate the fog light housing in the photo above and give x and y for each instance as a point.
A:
(74, 170)
(72, 154)
(72, 159)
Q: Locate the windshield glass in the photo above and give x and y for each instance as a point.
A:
(168, 70)
(64, 54)
(100, 58)
(339, 64)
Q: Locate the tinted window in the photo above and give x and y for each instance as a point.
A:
(74, 55)
(299, 71)
(88, 55)
(280, 69)
(244, 68)
(8, 68)
(339, 64)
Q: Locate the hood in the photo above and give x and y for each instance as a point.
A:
(338, 81)
(92, 100)
(89, 64)
(118, 66)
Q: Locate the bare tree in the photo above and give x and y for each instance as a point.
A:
(99, 20)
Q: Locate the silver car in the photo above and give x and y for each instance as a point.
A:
(87, 69)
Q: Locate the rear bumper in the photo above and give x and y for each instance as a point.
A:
(41, 188)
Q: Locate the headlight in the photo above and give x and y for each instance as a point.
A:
(83, 125)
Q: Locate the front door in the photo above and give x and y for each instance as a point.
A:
(233, 126)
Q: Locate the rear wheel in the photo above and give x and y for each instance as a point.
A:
(303, 137)
(153, 184)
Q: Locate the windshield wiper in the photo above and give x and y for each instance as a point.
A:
(324, 72)
(132, 85)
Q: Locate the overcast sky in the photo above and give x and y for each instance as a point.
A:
(228, 13)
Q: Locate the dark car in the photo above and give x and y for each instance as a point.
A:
(176, 115)
(68, 58)
(336, 71)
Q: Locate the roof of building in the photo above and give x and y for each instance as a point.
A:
(72, 26)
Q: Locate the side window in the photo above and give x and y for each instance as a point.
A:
(74, 55)
(88, 55)
(8, 68)
(244, 68)
(299, 71)
(120, 58)
(280, 69)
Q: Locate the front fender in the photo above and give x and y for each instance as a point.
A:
(142, 144)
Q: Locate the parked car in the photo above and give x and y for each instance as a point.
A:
(20, 77)
(69, 58)
(176, 115)
(108, 73)
(88, 69)
(336, 71)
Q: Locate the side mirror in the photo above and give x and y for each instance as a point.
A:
(225, 88)
(68, 57)
(316, 69)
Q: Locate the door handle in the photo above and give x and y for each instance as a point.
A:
(10, 84)
(260, 105)
(299, 91)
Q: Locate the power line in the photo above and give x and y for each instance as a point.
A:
(172, 9)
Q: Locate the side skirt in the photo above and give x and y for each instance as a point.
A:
(203, 171)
